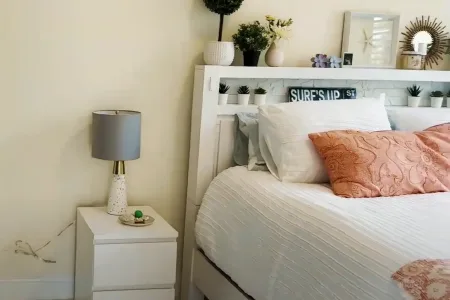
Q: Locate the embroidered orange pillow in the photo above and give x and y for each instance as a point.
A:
(386, 163)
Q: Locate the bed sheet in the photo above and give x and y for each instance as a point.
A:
(299, 241)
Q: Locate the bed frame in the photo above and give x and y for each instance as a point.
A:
(212, 142)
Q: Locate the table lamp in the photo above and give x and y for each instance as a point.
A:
(116, 136)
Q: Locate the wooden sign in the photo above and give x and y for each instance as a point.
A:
(318, 94)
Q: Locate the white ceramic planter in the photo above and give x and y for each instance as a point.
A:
(436, 102)
(413, 101)
(243, 99)
(260, 99)
(219, 53)
(223, 99)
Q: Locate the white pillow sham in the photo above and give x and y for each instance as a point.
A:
(417, 118)
(284, 128)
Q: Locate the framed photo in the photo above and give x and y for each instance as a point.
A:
(372, 38)
(347, 60)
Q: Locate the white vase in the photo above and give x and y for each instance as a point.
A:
(275, 54)
(413, 101)
(436, 102)
(223, 99)
(243, 99)
(260, 99)
(219, 53)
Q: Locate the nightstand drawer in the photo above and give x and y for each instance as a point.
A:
(165, 294)
(134, 266)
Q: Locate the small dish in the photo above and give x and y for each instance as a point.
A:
(130, 220)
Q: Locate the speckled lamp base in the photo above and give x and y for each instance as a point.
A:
(117, 202)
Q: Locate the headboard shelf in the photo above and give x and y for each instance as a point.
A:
(327, 74)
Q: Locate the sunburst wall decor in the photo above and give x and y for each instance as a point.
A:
(437, 48)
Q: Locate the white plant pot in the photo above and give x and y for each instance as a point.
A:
(275, 54)
(219, 53)
(436, 102)
(413, 101)
(260, 99)
(223, 99)
(243, 99)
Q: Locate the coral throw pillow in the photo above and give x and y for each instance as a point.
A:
(386, 163)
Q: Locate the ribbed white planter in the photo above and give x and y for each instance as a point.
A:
(243, 99)
(413, 101)
(223, 99)
(436, 102)
(219, 53)
(260, 99)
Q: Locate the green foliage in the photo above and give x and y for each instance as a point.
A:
(243, 89)
(437, 94)
(223, 7)
(251, 37)
(260, 91)
(415, 90)
(223, 88)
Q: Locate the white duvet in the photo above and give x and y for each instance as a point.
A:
(299, 241)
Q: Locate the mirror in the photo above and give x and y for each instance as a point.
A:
(425, 35)
(424, 38)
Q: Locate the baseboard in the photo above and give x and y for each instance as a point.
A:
(37, 289)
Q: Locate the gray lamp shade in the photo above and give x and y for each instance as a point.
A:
(116, 135)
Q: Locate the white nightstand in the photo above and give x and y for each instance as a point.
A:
(116, 262)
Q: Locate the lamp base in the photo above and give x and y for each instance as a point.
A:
(117, 201)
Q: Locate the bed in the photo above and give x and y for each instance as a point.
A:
(249, 236)
(299, 241)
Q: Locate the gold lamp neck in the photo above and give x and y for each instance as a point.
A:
(119, 167)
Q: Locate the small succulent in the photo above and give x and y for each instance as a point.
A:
(260, 91)
(415, 90)
(223, 88)
(319, 61)
(335, 62)
(243, 89)
(437, 94)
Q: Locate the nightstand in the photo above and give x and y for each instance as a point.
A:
(116, 262)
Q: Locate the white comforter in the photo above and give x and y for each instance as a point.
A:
(287, 241)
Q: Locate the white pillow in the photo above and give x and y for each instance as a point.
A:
(417, 118)
(284, 129)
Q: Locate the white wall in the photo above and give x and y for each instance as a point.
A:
(62, 59)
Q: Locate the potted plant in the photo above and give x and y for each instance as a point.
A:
(260, 96)
(251, 39)
(223, 96)
(220, 53)
(437, 97)
(243, 95)
(279, 32)
(448, 99)
(414, 95)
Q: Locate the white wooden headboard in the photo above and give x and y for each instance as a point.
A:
(213, 128)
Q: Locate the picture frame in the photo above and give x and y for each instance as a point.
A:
(372, 38)
(347, 60)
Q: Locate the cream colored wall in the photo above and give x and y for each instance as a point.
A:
(62, 59)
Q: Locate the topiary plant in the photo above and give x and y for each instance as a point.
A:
(223, 88)
(260, 91)
(414, 91)
(437, 94)
(222, 8)
(251, 37)
(243, 90)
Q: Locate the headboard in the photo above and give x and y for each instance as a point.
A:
(213, 128)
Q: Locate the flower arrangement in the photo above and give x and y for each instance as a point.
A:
(279, 29)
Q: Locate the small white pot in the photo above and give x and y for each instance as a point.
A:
(223, 99)
(436, 102)
(219, 53)
(260, 99)
(243, 99)
(413, 101)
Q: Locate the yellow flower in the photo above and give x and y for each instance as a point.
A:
(270, 18)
